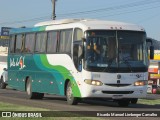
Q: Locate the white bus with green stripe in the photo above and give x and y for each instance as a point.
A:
(80, 58)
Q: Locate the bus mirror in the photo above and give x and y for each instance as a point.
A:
(151, 52)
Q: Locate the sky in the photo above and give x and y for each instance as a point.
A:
(146, 13)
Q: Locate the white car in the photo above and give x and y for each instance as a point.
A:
(4, 76)
(3, 67)
(149, 89)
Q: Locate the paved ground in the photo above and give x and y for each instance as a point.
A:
(57, 103)
(153, 96)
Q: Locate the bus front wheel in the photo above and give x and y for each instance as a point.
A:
(71, 100)
(123, 103)
(134, 100)
(32, 95)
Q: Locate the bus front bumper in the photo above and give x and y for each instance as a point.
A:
(114, 92)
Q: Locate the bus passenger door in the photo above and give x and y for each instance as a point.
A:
(77, 57)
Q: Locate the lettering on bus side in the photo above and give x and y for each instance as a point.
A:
(17, 62)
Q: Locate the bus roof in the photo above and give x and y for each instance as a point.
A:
(91, 24)
(85, 24)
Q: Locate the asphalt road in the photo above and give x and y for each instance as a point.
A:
(59, 103)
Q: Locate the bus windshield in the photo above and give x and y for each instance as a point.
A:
(116, 51)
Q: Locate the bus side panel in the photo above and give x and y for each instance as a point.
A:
(46, 78)
(61, 71)
(17, 71)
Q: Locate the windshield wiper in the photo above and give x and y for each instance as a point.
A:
(127, 63)
(110, 61)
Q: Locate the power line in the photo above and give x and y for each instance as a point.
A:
(149, 18)
(125, 12)
(22, 21)
(129, 5)
(139, 10)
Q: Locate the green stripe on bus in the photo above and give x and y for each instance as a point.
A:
(64, 72)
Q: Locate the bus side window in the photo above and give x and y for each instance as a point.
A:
(12, 44)
(78, 34)
(65, 41)
(29, 43)
(41, 42)
(19, 43)
(52, 42)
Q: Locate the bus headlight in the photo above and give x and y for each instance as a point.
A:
(141, 83)
(93, 82)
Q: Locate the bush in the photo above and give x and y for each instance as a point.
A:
(158, 91)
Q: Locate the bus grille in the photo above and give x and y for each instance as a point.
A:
(117, 92)
(118, 85)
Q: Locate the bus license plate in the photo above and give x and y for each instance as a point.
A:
(117, 96)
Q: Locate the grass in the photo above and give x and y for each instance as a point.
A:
(11, 107)
(149, 102)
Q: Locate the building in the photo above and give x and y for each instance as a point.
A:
(154, 66)
(4, 36)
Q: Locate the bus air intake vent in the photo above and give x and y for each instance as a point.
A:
(118, 85)
(117, 92)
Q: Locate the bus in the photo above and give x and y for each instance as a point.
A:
(80, 58)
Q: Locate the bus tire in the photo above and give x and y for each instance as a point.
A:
(123, 103)
(2, 83)
(134, 100)
(71, 100)
(32, 95)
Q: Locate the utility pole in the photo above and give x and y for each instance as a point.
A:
(53, 9)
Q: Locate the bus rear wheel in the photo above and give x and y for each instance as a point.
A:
(32, 95)
(71, 100)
